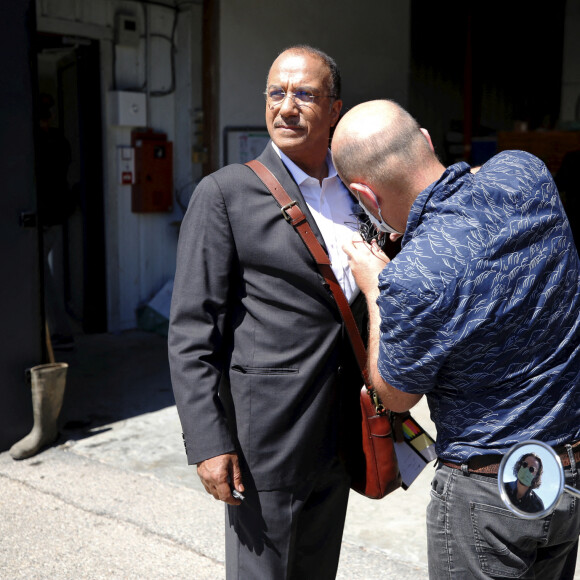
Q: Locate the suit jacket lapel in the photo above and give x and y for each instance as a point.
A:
(272, 161)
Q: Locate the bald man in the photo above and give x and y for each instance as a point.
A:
(480, 312)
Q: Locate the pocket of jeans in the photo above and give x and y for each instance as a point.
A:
(435, 494)
(440, 484)
(505, 544)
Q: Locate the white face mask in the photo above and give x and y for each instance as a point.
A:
(381, 225)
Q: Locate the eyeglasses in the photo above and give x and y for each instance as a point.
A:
(276, 96)
(530, 467)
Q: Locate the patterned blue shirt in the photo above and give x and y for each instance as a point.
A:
(480, 310)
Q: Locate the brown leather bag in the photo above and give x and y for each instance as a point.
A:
(380, 474)
(374, 470)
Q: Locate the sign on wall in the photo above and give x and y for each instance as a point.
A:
(243, 144)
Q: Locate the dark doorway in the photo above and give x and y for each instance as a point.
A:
(69, 73)
(20, 303)
(480, 68)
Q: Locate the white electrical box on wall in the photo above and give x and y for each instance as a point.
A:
(129, 108)
(125, 165)
(126, 31)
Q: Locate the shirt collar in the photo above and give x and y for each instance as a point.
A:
(300, 176)
(438, 190)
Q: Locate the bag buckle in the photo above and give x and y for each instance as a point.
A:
(284, 209)
(376, 402)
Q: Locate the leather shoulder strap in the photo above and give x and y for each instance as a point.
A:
(295, 216)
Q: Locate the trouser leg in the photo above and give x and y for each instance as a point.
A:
(472, 535)
(557, 560)
(569, 569)
(292, 534)
(318, 535)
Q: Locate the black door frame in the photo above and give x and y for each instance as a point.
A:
(20, 291)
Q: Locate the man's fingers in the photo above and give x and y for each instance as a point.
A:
(378, 252)
(224, 493)
(355, 244)
(218, 474)
(221, 492)
(237, 476)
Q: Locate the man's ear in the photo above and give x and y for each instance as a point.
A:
(335, 109)
(428, 137)
(366, 194)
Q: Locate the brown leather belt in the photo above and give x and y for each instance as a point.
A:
(482, 464)
(489, 464)
(564, 458)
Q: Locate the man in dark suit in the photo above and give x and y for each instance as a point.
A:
(263, 373)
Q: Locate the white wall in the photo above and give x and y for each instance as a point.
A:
(369, 40)
(140, 248)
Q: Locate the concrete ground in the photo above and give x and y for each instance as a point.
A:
(114, 498)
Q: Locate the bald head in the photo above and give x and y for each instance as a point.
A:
(378, 142)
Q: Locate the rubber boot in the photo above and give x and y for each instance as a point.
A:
(47, 384)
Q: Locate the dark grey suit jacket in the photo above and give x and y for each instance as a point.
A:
(259, 359)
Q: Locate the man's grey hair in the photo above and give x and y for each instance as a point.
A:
(335, 85)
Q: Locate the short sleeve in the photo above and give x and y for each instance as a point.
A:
(414, 343)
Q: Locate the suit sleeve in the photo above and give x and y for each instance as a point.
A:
(198, 344)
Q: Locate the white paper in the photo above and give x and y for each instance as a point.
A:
(411, 464)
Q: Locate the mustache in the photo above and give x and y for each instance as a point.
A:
(297, 124)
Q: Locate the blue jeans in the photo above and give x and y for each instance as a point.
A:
(471, 534)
